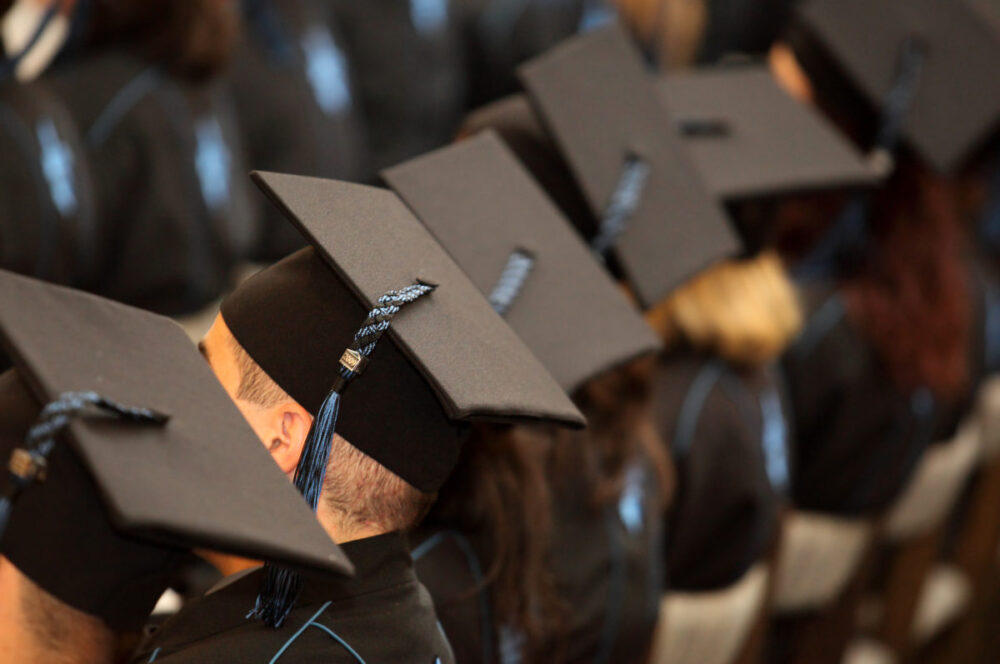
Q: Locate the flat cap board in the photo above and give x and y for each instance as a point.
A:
(769, 143)
(476, 365)
(957, 103)
(202, 480)
(482, 206)
(593, 93)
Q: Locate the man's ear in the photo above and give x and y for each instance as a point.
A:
(286, 448)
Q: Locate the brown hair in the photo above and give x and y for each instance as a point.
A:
(617, 405)
(67, 635)
(191, 39)
(357, 488)
(909, 296)
(499, 495)
(908, 292)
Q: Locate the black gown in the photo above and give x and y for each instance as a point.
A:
(502, 34)
(608, 570)
(858, 438)
(381, 615)
(295, 100)
(407, 58)
(729, 438)
(172, 192)
(47, 216)
(608, 565)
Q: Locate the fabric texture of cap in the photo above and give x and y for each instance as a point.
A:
(593, 94)
(956, 107)
(500, 227)
(121, 497)
(736, 123)
(447, 359)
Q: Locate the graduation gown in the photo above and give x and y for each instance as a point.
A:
(502, 34)
(295, 100)
(607, 563)
(173, 196)
(729, 439)
(47, 216)
(408, 63)
(383, 614)
(858, 438)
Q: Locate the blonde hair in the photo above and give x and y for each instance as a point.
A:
(745, 311)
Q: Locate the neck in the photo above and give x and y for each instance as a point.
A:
(36, 627)
(340, 529)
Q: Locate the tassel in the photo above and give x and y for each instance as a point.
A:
(5, 508)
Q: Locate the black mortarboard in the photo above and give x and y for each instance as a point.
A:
(955, 103)
(448, 359)
(750, 139)
(500, 227)
(593, 94)
(123, 492)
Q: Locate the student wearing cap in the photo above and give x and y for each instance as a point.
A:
(883, 368)
(47, 216)
(409, 67)
(114, 456)
(401, 397)
(624, 178)
(483, 549)
(295, 99)
(139, 79)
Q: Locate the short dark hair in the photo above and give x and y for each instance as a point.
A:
(356, 487)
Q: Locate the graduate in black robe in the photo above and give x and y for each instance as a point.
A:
(489, 550)
(296, 101)
(167, 159)
(397, 437)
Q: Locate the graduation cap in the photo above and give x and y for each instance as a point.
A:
(955, 104)
(737, 123)
(657, 218)
(501, 228)
(124, 451)
(313, 323)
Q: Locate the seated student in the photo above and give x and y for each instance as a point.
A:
(114, 453)
(484, 546)
(882, 369)
(167, 162)
(368, 435)
(721, 408)
(47, 217)
(296, 103)
(409, 68)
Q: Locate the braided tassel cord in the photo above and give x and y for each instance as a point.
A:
(280, 587)
(27, 465)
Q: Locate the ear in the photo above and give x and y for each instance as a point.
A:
(286, 447)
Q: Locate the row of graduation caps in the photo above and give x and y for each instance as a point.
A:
(159, 481)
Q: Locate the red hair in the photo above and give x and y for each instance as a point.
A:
(910, 296)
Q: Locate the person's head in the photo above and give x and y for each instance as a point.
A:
(617, 404)
(906, 290)
(745, 311)
(363, 497)
(192, 39)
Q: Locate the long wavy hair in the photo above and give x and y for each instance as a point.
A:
(191, 39)
(617, 405)
(908, 291)
(498, 493)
